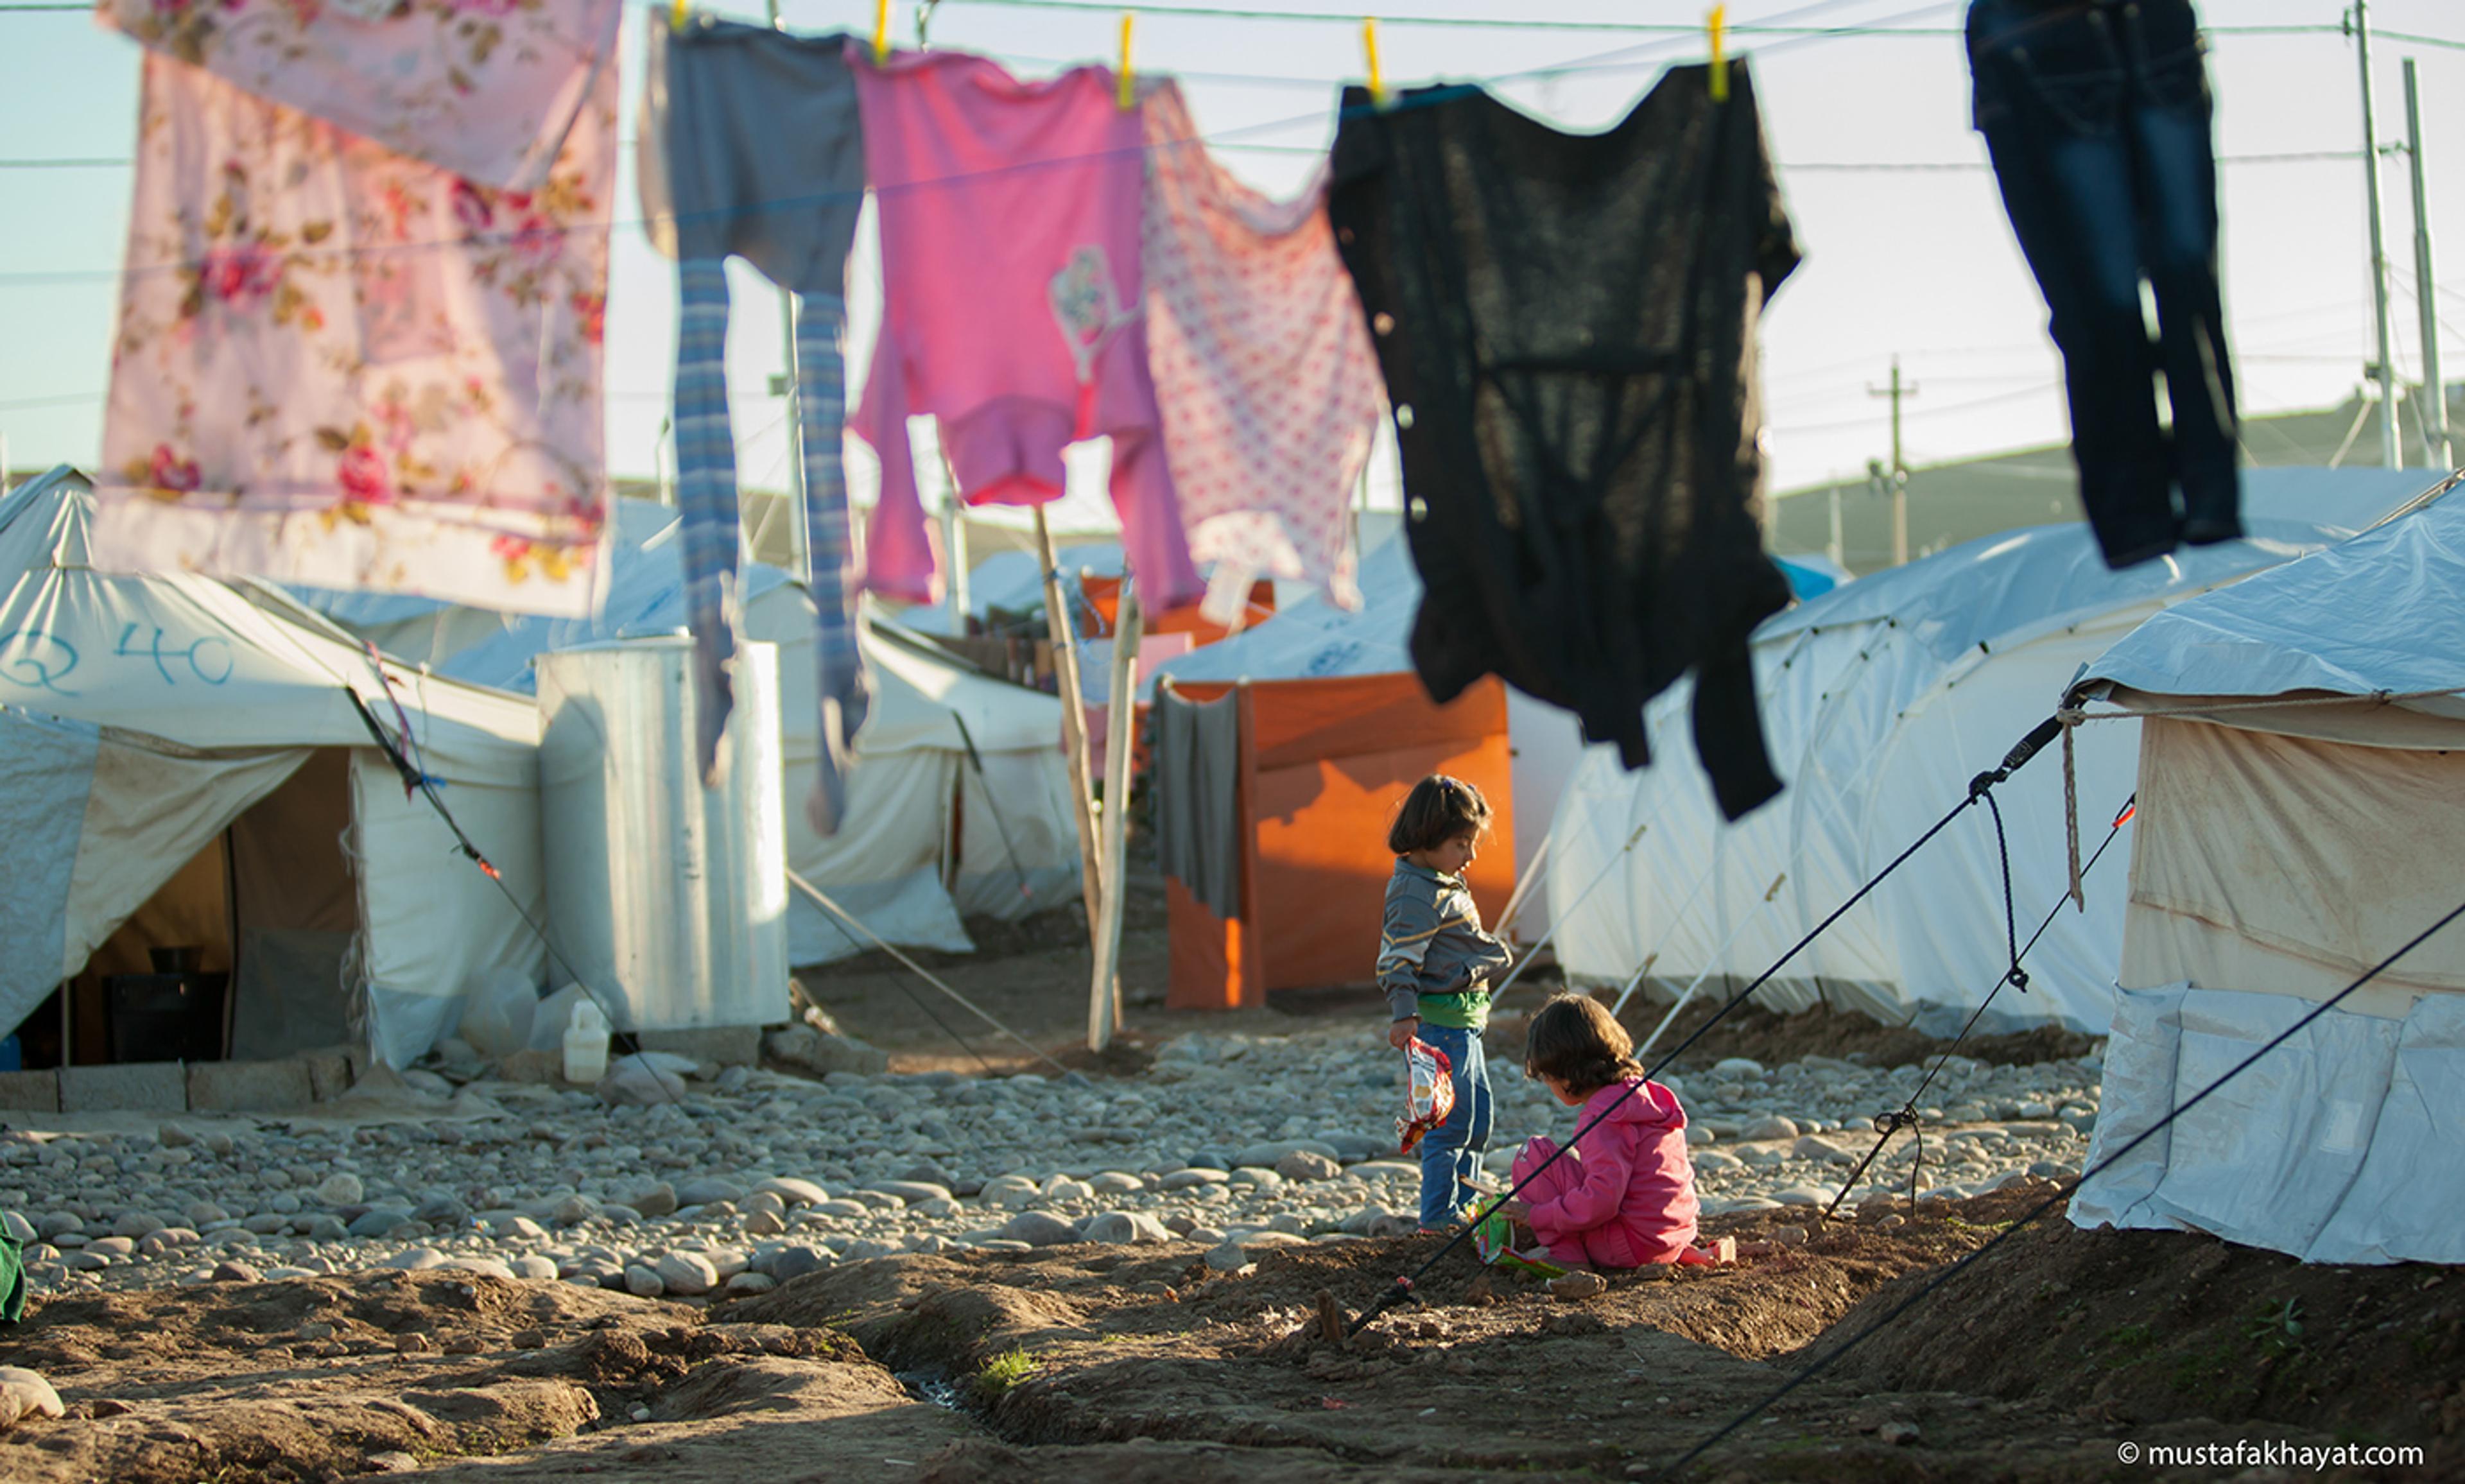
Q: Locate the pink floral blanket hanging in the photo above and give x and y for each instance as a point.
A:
(484, 88)
(338, 364)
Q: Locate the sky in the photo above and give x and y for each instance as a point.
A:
(1907, 249)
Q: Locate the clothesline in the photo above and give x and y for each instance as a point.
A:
(1625, 58)
(1785, 167)
(824, 198)
(1503, 23)
(1643, 28)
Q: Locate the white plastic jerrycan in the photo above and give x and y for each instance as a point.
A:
(586, 1045)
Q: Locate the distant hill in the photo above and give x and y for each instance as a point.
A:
(1953, 502)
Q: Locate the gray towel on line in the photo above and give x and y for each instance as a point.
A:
(1197, 753)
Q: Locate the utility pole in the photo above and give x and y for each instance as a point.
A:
(1837, 551)
(1899, 476)
(2391, 456)
(2433, 408)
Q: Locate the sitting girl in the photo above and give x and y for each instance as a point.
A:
(1624, 1195)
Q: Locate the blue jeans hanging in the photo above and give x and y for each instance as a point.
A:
(2096, 115)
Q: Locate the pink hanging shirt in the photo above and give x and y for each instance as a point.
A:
(1012, 303)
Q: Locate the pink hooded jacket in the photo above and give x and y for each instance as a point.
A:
(1623, 1196)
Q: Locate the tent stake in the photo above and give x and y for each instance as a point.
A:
(1120, 720)
(1063, 632)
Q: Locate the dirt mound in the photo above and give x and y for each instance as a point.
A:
(935, 1314)
(307, 1378)
(2147, 1326)
(1124, 1365)
(769, 1384)
(1752, 1032)
(1147, 1461)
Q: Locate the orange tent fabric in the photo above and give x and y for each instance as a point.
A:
(1105, 596)
(1325, 764)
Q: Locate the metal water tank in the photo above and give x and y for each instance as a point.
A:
(668, 898)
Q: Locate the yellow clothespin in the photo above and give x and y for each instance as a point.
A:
(1126, 93)
(1718, 24)
(676, 14)
(881, 32)
(1370, 49)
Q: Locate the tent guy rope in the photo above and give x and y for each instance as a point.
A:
(1979, 787)
(2062, 1192)
(921, 972)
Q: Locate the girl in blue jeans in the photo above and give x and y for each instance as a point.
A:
(1435, 964)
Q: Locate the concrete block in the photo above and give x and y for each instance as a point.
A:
(31, 1092)
(331, 1072)
(153, 1086)
(729, 1046)
(230, 1086)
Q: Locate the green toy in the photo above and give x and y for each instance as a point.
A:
(1493, 1240)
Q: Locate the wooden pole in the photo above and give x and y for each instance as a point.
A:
(1073, 720)
(1104, 994)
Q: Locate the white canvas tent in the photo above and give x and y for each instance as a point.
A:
(1880, 701)
(1314, 637)
(960, 798)
(2302, 797)
(192, 770)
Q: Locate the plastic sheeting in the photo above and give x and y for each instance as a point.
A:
(2339, 1145)
(2378, 614)
(2242, 831)
(1880, 700)
(46, 768)
(428, 921)
(2289, 848)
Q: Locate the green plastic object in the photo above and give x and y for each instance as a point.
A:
(1493, 1240)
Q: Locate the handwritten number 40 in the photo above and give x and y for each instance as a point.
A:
(213, 666)
(40, 660)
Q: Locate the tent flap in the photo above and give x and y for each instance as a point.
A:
(2240, 829)
(430, 920)
(2336, 1146)
(46, 770)
(1880, 700)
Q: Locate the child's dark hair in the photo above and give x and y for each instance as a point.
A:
(1436, 810)
(1575, 1039)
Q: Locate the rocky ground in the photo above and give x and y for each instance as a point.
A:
(1101, 1365)
(975, 1265)
(753, 1177)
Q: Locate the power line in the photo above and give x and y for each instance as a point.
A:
(1625, 58)
(2037, 390)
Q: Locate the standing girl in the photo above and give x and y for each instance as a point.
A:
(1435, 964)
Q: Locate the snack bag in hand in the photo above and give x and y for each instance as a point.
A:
(1429, 1093)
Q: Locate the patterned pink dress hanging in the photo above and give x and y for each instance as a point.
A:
(483, 88)
(342, 366)
(1264, 375)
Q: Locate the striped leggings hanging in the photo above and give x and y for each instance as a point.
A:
(821, 415)
(706, 496)
(707, 499)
